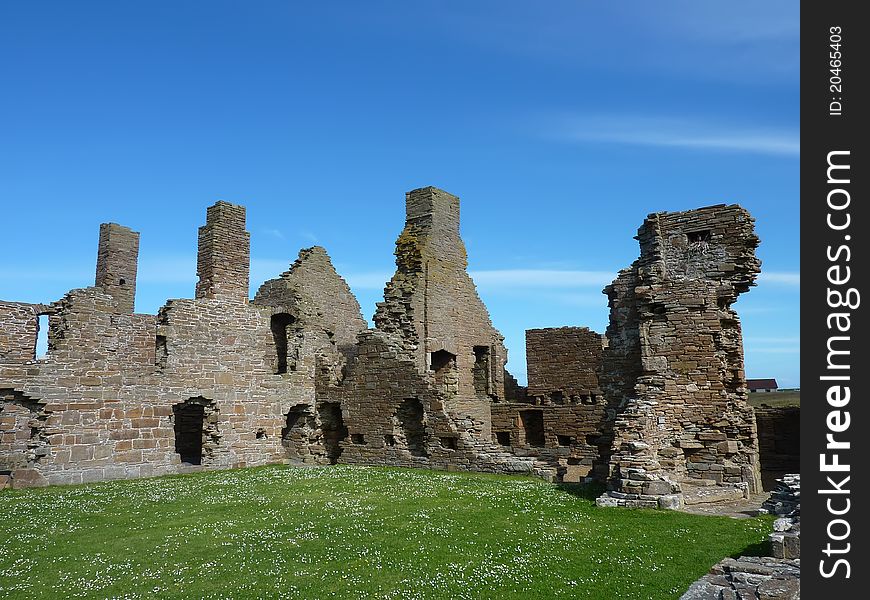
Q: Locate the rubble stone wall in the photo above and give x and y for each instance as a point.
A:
(563, 363)
(432, 306)
(295, 375)
(104, 397)
(571, 435)
(673, 371)
(19, 328)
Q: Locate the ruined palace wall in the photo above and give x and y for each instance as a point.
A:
(88, 331)
(107, 412)
(682, 411)
(317, 295)
(570, 434)
(378, 400)
(709, 258)
(323, 314)
(102, 403)
(564, 360)
(19, 328)
(432, 305)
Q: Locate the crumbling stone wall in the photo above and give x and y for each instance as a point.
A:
(322, 314)
(219, 381)
(19, 331)
(673, 371)
(564, 402)
(563, 364)
(435, 349)
(108, 392)
(570, 435)
(431, 306)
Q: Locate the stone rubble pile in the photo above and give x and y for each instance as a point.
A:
(748, 577)
(786, 498)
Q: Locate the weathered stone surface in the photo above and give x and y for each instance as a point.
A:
(563, 364)
(673, 367)
(785, 500)
(295, 375)
(117, 264)
(751, 577)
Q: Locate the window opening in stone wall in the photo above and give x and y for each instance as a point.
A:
(280, 323)
(565, 440)
(22, 431)
(334, 431)
(557, 397)
(42, 337)
(533, 426)
(298, 416)
(449, 442)
(410, 418)
(189, 420)
(299, 432)
(161, 354)
(389, 440)
(357, 438)
(699, 236)
(503, 437)
(446, 377)
(442, 360)
(481, 370)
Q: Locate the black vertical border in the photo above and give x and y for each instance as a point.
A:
(822, 133)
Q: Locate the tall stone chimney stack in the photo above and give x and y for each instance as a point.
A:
(224, 253)
(117, 258)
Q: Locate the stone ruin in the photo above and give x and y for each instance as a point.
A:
(296, 376)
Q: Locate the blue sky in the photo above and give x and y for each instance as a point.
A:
(560, 128)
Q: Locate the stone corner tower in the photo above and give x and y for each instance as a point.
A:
(674, 369)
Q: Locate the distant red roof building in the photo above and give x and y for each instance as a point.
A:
(761, 385)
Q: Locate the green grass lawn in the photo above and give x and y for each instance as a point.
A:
(776, 399)
(351, 532)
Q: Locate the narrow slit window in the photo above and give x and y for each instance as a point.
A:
(42, 337)
(280, 324)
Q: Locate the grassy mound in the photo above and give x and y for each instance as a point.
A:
(350, 532)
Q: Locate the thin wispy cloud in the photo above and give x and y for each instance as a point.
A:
(773, 340)
(775, 350)
(73, 274)
(674, 133)
(374, 280)
(275, 233)
(789, 278)
(513, 278)
(501, 279)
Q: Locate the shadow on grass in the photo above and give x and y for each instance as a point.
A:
(756, 549)
(587, 491)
